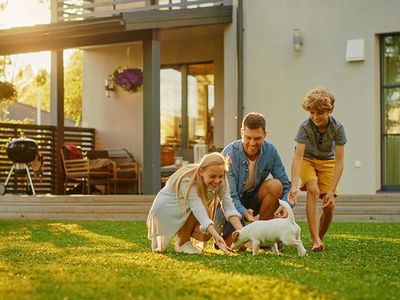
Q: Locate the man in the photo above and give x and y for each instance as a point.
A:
(257, 177)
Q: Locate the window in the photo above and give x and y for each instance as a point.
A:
(390, 112)
(187, 105)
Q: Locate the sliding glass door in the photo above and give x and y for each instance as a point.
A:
(187, 105)
(390, 112)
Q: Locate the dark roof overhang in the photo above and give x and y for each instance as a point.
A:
(127, 27)
(58, 36)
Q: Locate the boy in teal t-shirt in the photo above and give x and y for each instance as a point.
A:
(318, 161)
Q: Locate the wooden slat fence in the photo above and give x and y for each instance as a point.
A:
(45, 137)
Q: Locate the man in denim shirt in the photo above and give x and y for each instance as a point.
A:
(252, 161)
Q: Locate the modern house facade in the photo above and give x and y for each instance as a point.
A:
(208, 63)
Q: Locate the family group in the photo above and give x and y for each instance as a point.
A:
(228, 190)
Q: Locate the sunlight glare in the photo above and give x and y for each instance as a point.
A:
(24, 13)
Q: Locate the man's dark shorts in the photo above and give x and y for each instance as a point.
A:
(249, 200)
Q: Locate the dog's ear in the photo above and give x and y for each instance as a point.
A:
(235, 235)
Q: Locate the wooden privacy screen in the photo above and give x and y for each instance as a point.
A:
(45, 137)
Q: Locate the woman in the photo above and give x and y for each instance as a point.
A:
(187, 205)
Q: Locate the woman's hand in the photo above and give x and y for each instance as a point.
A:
(222, 245)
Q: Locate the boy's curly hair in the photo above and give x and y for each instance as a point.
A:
(320, 99)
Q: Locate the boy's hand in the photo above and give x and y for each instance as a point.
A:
(328, 199)
(249, 215)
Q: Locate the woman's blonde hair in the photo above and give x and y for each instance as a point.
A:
(192, 171)
(320, 99)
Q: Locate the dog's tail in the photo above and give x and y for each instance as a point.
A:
(288, 209)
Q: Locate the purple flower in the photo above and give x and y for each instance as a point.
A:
(129, 79)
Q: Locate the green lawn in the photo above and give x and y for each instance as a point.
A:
(112, 260)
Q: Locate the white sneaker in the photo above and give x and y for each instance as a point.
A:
(201, 245)
(187, 248)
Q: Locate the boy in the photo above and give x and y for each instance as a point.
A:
(318, 160)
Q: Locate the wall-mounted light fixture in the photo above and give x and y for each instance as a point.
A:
(109, 85)
(297, 40)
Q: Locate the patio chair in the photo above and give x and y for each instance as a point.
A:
(124, 167)
(80, 170)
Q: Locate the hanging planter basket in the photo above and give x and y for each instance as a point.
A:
(128, 79)
(8, 92)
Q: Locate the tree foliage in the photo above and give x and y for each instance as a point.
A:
(3, 4)
(73, 87)
(34, 89)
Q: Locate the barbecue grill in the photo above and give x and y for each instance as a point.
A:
(21, 152)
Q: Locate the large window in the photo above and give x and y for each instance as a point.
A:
(187, 105)
(390, 99)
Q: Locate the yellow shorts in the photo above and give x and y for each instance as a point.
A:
(319, 170)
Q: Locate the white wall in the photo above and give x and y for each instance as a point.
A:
(276, 78)
(118, 120)
(231, 79)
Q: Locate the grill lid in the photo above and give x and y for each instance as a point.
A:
(22, 150)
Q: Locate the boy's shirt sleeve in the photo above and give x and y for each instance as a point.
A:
(340, 136)
(302, 135)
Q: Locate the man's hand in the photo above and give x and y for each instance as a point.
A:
(292, 197)
(280, 213)
(249, 215)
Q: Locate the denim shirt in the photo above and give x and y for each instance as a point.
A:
(269, 162)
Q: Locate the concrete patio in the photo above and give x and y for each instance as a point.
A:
(379, 207)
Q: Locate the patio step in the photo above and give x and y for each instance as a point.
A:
(82, 207)
(379, 207)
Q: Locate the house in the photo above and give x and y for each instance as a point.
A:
(207, 63)
(21, 111)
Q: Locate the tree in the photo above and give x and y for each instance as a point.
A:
(3, 4)
(73, 87)
(31, 87)
(8, 91)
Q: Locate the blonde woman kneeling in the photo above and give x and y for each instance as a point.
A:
(187, 205)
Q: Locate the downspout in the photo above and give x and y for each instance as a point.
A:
(239, 45)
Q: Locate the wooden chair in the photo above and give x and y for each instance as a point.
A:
(84, 171)
(124, 168)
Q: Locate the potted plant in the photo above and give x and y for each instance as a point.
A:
(8, 91)
(129, 79)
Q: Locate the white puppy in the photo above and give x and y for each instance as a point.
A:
(270, 232)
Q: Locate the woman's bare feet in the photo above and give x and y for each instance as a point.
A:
(318, 246)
